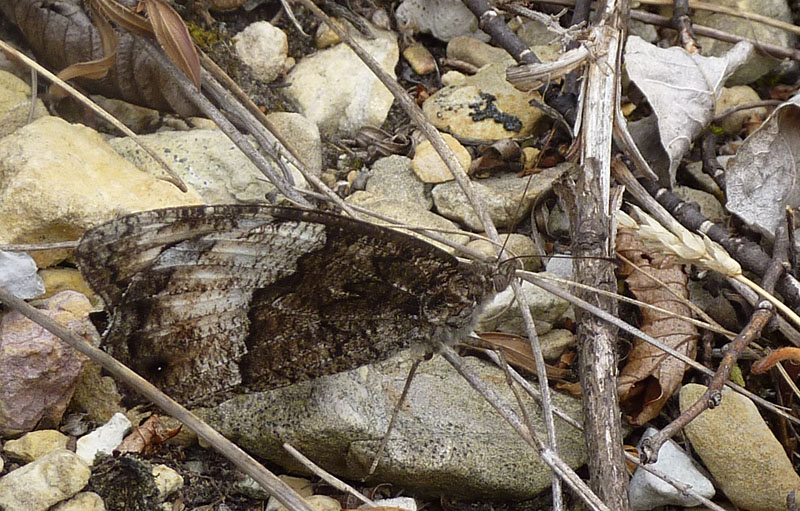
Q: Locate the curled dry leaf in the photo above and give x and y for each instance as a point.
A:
(763, 365)
(650, 376)
(517, 351)
(146, 437)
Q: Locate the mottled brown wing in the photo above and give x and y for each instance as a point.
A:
(207, 298)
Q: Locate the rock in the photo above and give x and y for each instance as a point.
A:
(429, 166)
(709, 205)
(15, 104)
(444, 19)
(60, 179)
(503, 195)
(138, 118)
(168, 481)
(555, 342)
(420, 59)
(38, 371)
(335, 90)
(535, 33)
(757, 64)
(35, 444)
(406, 503)
(104, 439)
(83, 501)
(740, 451)
(325, 37)
(18, 275)
(206, 160)
(44, 482)
(517, 245)
(59, 279)
(96, 395)
(735, 96)
(393, 178)
(302, 136)
(646, 491)
(502, 314)
(444, 435)
(263, 48)
(299, 484)
(324, 503)
(409, 214)
(474, 51)
(483, 106)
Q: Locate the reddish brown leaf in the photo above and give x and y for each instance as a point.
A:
(763, 365)
(518, 353)
(650, 376)
(174, 37)
(146, 437)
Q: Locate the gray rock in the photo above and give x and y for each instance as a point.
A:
(646, 491)
(756, 478)
(709, 205)
(502, 194)
(444, 19)
(393, 178)
(474, 51)
(757, 64)
(302, 136)
(555, 342)
(406, 503)
(516, 245)
(335, 90)
(206, 160)
(409, 214)
(44, 482)
(263, 48)
(18, 275)
(447, 440)
(502, 313)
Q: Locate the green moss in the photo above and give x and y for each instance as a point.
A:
(205, 38)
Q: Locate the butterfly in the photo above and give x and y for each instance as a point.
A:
(206, 299)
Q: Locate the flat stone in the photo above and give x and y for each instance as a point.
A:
(420, 59)
(740, 451)
(35, 444)
(483, 106)
(60, 179)
(444, 435)
(502, 314)
(206, 160)
(44, 482)
(429, 166)
(335, 90)
(503, 196)
(393, 178)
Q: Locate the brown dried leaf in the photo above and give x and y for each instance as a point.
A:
(174, 37)
(518, 353)
(146, 437)
(650, 376)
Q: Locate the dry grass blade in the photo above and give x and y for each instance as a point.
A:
(122, 16)
(173, 36)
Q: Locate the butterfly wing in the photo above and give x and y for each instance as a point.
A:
(204, 299)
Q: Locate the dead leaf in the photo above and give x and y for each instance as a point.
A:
(518, 353)
(763, 365)
(146, 437)
(172, 34)
(650, 376)
(682, 89)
